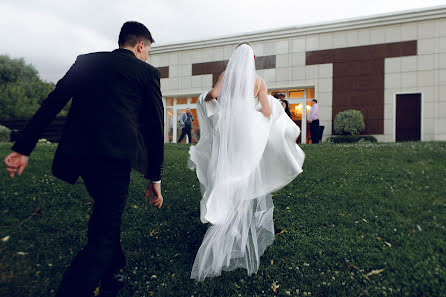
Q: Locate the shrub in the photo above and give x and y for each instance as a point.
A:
(349, 122)
(351, 138)
(5, 133)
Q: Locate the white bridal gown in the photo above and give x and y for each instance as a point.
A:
(237, 203)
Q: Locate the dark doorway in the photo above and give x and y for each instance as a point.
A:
(408, 117)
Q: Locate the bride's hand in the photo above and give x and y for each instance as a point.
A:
(155, 190)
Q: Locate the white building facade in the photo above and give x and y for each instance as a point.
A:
(390, 67)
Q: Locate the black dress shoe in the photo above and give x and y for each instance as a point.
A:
(110, 287)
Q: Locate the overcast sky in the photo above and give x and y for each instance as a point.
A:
(50, 33)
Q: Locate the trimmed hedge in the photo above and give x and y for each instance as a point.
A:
(349, 122)
(351, 138)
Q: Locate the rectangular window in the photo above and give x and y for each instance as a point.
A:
(310, 93)
(169, 101)
(181, 100)
(297, 93)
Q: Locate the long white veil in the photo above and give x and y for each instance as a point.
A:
(238, 150)
(242, 156)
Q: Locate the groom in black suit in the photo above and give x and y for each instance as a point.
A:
(115, 123)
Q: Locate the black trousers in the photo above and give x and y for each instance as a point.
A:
(186, 130)
(107, 182)
(315, 131)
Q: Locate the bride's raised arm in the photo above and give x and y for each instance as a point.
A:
(215, 92)
(263, 98)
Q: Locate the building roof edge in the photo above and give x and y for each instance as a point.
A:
(398, 17)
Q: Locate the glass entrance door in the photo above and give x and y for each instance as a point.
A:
(175, 107)
(299, 108)
(195, 126)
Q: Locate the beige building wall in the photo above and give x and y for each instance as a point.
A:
(424, 73)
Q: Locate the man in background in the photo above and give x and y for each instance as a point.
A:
(313, 120)
(186, 120)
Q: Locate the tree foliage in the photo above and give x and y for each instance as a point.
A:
(21, 89)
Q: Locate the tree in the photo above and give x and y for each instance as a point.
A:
(21, 89)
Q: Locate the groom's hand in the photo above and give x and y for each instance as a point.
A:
(16, 163)
(155, 190)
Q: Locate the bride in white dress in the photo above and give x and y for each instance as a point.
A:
(247, 150)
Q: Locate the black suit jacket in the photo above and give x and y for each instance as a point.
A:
(116, 112)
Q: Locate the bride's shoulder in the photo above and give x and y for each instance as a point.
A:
(260, 81)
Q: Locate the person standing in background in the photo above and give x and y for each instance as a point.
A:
(313, 120)
(186, 120)
(285, 104)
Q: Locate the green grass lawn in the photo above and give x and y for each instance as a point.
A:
(361, 220)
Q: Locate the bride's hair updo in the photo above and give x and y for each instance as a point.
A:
(247, 43)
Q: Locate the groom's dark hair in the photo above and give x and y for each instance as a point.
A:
(133, 32)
